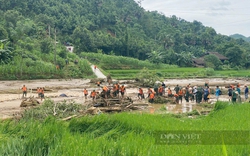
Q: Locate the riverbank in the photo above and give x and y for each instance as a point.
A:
(11, 94)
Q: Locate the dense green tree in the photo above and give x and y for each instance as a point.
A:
(3, 33)
(5, 52)
(155, 57)
(46, 46)
(212, 61)
(235, 55)
(118, 26)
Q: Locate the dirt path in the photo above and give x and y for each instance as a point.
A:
(97, 72)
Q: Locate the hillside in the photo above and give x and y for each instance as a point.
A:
(239, 36)
(114, 27)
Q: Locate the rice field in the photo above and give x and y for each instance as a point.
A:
(125, 134)
(179, 73)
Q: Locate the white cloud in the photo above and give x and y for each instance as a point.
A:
(225, 16)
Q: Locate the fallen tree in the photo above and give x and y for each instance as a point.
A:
(31, 101)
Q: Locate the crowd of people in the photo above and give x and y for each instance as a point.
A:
(196, 94)
(116, 90)
(40, 92)
(203, 94)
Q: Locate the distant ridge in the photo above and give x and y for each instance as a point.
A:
(238, 36)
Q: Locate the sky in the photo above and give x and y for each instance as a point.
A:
(227, 17)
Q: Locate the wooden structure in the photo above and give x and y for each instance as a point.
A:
(111, 105)
(200, 62)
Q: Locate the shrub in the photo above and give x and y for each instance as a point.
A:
(209, 72)
(220, 105)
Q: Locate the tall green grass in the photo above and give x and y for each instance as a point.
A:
(120, 134)
(120, 62)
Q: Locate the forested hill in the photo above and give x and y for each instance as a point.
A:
(119, 27)
(239, 36)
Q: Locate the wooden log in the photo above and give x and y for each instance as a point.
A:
(94, 110)
(198, 111)
(113, 99)
(128, 106)
(139, 104)
(68, 118)
(134, 107)
(105, 109)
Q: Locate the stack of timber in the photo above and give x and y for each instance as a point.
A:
(31, 101)
(114, 104)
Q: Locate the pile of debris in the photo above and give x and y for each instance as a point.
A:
(31, 101)
(163, 100)
(114, 104)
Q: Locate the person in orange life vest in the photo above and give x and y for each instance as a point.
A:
(151, 97)
(40, 92)
(105, 90)
(85, 92)
(122, 90)
(149, 92)
(93, 94)
(140, 94)
(117, 88)
(180, 93)
(176, 96)
(98, 83)
(24, 89)
(160, 90)
(232, 86)
(95, 67)
(169, 92)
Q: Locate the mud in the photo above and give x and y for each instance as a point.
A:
(11, 94)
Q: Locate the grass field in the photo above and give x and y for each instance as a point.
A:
(180, 73)
(128, 134)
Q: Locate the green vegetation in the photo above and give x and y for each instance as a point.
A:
(38, 68)
(49, 108)
(180, 73)
(108, 62)
(38, 30)
(239, 36)
(233, 73)
(212, 61)
(120, 134)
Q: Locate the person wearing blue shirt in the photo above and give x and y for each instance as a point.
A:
(217, 93)
(246, 92)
